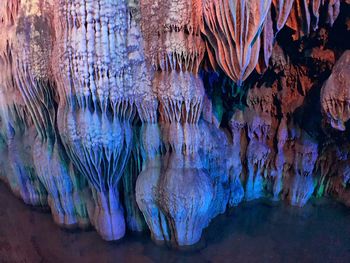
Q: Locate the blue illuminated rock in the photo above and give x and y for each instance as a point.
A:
(150, 114)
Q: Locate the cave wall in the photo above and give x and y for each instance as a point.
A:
(162, 114)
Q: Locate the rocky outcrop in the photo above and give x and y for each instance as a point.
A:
(161, 114)
(335, 97)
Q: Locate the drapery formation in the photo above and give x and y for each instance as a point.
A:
(120, 113)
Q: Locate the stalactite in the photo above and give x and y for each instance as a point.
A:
(282, 9)
(305, 14)
(160, 114)
(233, 29)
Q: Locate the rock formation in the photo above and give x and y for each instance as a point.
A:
(161, 114)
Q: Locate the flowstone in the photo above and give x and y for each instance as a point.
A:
(128, 115)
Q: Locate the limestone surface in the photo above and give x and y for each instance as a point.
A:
(162, 114)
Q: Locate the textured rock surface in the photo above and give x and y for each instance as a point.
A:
(335, 97)
(161, 114)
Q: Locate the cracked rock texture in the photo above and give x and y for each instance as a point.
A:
(159, 115)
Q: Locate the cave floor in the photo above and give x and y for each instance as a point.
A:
(253, 232)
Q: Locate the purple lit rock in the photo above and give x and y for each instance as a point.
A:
(161, 114)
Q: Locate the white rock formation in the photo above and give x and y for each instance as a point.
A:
(160, 113)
